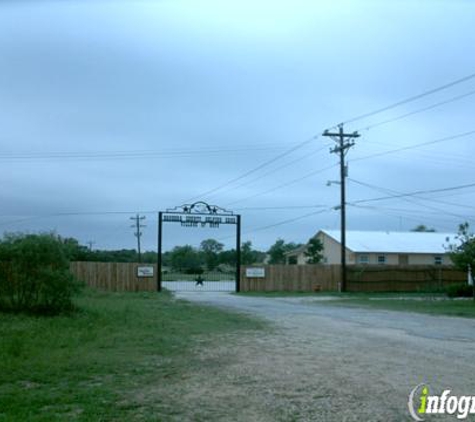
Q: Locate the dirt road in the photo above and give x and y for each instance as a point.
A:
(324, 363)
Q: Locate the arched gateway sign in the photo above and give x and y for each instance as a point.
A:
(199, 214)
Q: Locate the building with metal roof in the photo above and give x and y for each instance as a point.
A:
(381, 247)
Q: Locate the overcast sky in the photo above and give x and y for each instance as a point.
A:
(108, 108)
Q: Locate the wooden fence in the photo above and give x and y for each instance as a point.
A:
(368, 278)
(305, 278)
(113, 276)
(408, 278)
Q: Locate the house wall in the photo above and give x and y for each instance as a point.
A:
(332, 251)
(399, 259)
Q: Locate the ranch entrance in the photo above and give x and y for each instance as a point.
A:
(206, 266)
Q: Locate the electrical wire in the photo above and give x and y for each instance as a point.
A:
(115, 155)
(402, 195)
(283, 185)
(412, 113)
(249, 182)
(408, 100)
(445, 139)
(253, 170)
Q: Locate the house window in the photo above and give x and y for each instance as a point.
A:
(381, 259)
(363, 259)
(437, 260)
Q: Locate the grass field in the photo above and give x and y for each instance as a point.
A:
(87, 366)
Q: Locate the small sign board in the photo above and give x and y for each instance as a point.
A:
(255, 272)
(145, 271)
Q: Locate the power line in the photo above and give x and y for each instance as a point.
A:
(288, 207)
(281, 223)
(253, 170)
(420, 110)
(385, 212)
(249, 182)
(288, 221)
(113, 155)
(420, 192)
(413, 194)
(409, 99)
(384, 190)
(283, 185)
(445, 139)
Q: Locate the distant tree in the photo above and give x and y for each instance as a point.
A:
(278, 249)
(211, 249)
(462, 253)
(422, 228)
(314, 251)
(185, 258)
(74, 251)
(249, 255)
(227, 257)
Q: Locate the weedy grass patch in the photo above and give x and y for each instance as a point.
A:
(81, 366)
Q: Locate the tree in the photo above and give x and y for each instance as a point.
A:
(186, 259)
(34, 274)
(314, 251)
(422, 228)
(249, 255)
(278, 249)
(462, 253)
(211, 249)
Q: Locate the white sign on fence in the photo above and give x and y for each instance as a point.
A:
(257, 272)
(145, 271)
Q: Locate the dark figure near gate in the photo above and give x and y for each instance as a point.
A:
(199, 280)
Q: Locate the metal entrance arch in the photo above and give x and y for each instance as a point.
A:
(196, 215)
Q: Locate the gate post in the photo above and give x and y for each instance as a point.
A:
(159, 252)
(238, 253)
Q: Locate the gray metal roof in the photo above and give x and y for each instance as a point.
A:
(394, 242)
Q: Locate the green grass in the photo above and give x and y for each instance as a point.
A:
(83, 366)
(419, 303)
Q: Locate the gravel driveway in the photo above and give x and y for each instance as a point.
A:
(324, 363)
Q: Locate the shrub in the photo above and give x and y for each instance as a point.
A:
(34, 274)
(460, 290)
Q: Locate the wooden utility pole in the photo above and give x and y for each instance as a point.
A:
(137, 232)
(344, 142)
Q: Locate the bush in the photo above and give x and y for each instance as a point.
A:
(460, 290)
(34, 274)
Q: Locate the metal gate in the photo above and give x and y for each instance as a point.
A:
(199, 214)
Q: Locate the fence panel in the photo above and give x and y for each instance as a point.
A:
(367, 278)
(113, 276)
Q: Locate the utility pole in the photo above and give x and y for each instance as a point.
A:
(137, 232)
(90, 243)
(344, 142)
